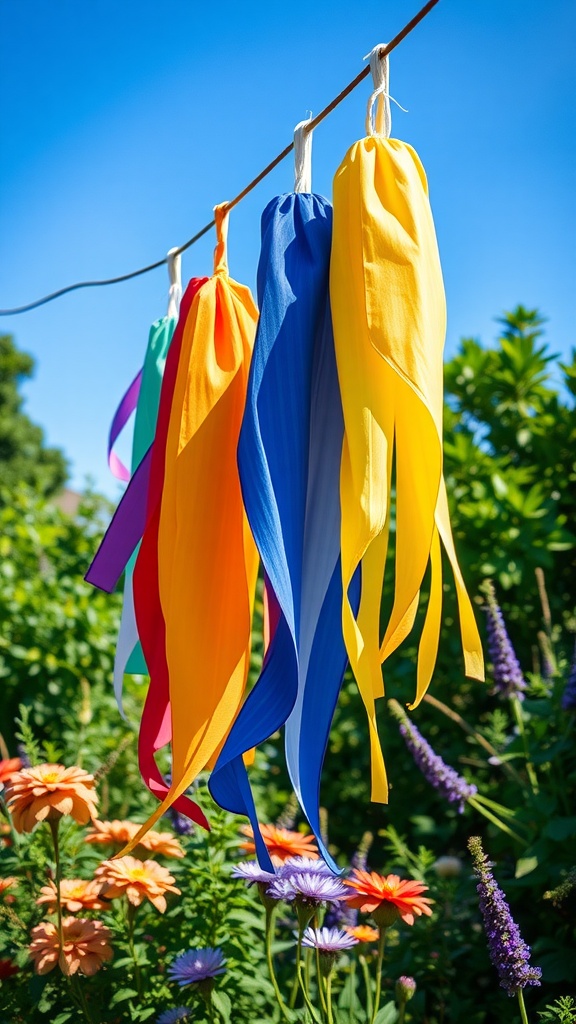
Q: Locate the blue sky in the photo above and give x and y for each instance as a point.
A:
(122, 124)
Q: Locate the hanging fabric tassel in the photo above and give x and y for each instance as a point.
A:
(206, 558)
(289, 457)
(143, 395)
(389, 316)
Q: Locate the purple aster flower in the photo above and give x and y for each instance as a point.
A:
(307, 864)
(173, 1016)
(508, 678)
(197, 965)
(251, 872)
(313, 888)
(180, 823)
(445, 779)
(281, 889)
(569, 695)
(328, 940)
(508, 951)
(340, 915)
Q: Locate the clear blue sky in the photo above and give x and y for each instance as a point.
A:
(123, 123)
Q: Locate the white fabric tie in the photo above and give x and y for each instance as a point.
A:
(381, 123)
(303, 157)
(174, 261)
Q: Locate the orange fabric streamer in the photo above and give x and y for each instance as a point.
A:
(207, 558)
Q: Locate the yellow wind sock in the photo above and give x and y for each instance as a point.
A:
(207, 559)
(389, 315)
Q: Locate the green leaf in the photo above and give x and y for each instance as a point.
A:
(560, 828)
(524, 865)
(222, 1003)
(122, 994)
(388, 1014)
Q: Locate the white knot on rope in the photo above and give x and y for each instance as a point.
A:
(379, 123)
(303, 157)
(174, 261)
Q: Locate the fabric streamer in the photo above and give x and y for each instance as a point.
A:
(289, 457)
(129, 658)
(389, 314)
(198, 560)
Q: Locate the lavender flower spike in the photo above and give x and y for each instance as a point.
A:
(508, 678)
(508, 951)
(445, 779)
(569, 695)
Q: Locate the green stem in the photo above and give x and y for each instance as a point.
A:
(329, 998)
(309, 1006)
(379, 961)
(130, 917)
(520, 723)
(352, 991)
(316, 924)
(495, 821)
(54, 830)
(270, 912)
(82, 999)
(401, 1012)
(368, 986)
(523, 1014)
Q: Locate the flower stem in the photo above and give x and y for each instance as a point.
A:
(309, 1006)
(54, 830)
(270, 911)
(329, 998)
(368, 986)
(516, 706)
(523, 1015)
(351, 991)
(379, 961)
(130, 923)
(82, 998)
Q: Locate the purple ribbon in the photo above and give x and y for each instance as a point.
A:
(124, 532)
(127, 405)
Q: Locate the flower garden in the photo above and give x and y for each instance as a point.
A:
(453, 903)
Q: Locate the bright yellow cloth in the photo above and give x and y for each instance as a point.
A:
(207, 558)
(389, 316)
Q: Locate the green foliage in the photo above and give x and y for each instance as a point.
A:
(563, 1011)
(24, 456)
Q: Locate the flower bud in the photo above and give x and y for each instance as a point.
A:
(405, 988)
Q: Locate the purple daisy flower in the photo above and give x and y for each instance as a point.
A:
(281, 889)
(197, 965)
(313, 888)
(313, 866)
(328, 940)
(173, 1016)
(445, 779)
(508, 951)
(508, 678)
(251, 872)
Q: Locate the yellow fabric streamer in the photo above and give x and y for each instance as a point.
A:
(389, 314)
(207, 558)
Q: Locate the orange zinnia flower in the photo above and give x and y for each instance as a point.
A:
(388, 897)
(140, 880)
(85, 946)
(163, 843)
(75, 894)
(363, 933)
(119, 832)
(5, 883)
(48, 791)
(7, 768)
(281, 843)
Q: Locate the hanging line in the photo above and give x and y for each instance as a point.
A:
(241, 195)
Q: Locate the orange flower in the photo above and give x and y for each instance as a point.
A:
(138, 879)
(48, 791)
(281, 843)
(163, 843)
(75, 894)
(388, 897)
(7, 768)
(121, 832)
(5, 883)
(364, 933)
(85, 946)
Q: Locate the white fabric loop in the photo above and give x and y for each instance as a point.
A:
(174, 261)
(303, 157)
(381, 122)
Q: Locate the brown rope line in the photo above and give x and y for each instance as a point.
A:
(241, 195)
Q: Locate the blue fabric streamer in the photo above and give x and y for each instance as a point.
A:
(289, 459)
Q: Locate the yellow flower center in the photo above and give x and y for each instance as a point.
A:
(50, 777)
